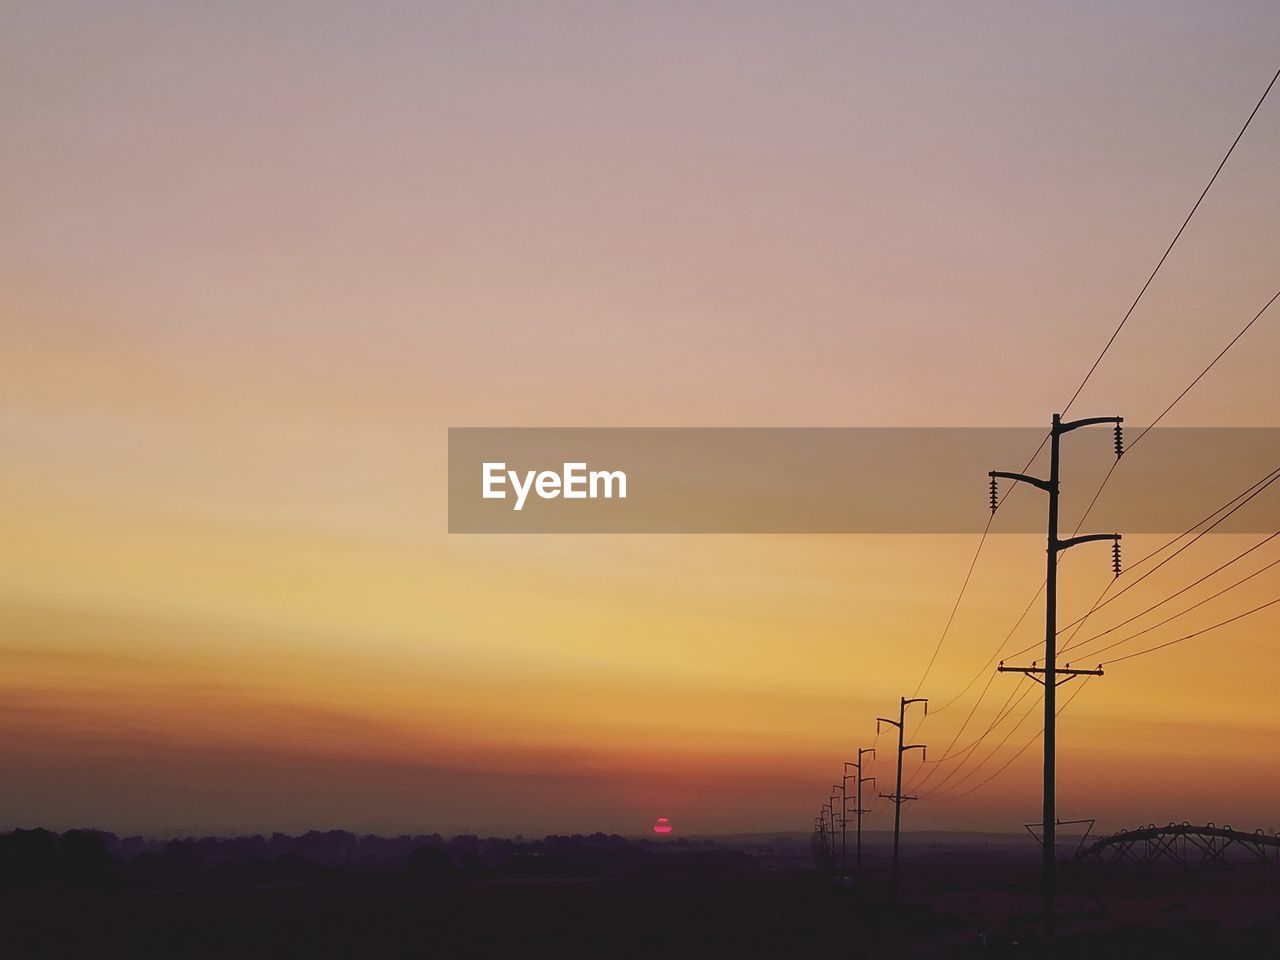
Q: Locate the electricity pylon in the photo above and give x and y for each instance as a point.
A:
(897, 797)
(1049, 674)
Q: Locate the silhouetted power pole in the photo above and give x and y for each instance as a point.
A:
(835, 798)
(858, 812)
(820, 837)
(844, 786)
(897, 797)
(1051, 675)
(826, 811)
(844, 825)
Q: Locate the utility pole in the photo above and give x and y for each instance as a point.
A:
(1051, 675)
(859, 811)
(844, 830)
(835, 798)
(843, 787)
(822, 837)
(826, 808)
(897, 797)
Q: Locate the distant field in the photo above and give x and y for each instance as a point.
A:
(769, 914)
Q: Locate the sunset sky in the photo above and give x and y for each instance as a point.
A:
(256, 259)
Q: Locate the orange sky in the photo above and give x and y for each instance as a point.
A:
(255, 262)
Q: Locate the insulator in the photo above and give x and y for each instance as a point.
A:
(1119, 441)
(995, 496)
(1115, 557)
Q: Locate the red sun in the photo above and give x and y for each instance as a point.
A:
(662, 826)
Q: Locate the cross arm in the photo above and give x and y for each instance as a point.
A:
(1086, 422)
(1086, 538)
(1021, 478)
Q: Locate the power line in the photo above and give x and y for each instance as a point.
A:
(1021, 750)
(1231, 506)
(1189, 636)
(965, 755)
(955, 606)
(995, 656)
(1115, 463)
(1205, 519)
(1075, 395)
(1106, 479)
(1222, 353)
(1194, 606)
(1169, 249)
(1087, 614)
(951, 754)
(1005, 712)
(1089, 374)
(1005, 739)
(1187, 389)
(1265, 483)
(947, 754)
(1124, 320)
(1238, 557)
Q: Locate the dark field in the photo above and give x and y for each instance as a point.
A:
(644, 900)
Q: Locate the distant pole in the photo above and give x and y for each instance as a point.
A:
(860, 811)
(835, 797)
(843, 796)
(844, 826)
(826, 840)
(897, 797)
(831, 807)
(1049, 674)
(844, 783)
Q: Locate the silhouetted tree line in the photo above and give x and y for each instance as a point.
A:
(88, 859)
